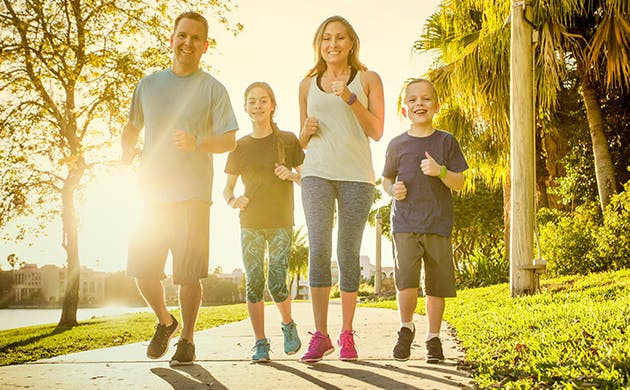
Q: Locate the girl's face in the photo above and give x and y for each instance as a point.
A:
(336, 43)
(420, 103)
(258, 105)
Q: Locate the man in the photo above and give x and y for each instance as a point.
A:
(187, 116)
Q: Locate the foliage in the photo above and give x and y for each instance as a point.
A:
(571, 335)
(582, 241)
(613, 240)
(219, 291)
(478, 224)
(41, 342)
(298, 262)
(365, 290)
(568, 242)
(480, 270)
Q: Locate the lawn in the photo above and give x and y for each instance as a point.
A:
(574, 334)
(40, 342)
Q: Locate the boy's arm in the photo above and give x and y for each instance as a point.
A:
(387, 185)
(453, 180)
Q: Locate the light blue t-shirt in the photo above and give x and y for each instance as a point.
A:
(163, 102)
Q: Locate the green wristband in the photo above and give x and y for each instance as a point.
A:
(442, 172)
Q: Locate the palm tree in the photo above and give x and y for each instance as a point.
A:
(298, 262)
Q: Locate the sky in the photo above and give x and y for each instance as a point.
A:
(275, 46)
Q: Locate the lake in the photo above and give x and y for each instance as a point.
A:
(18, 318)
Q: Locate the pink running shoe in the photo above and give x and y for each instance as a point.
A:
(318, 347)
(348, 348)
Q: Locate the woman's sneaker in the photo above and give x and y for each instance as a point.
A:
(292, 341)
(261, 351)
(159, 343)
(348, 349)
(318, 347)
(184, 354)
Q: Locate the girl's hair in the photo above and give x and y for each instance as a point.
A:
(274, 126)
(353, 56)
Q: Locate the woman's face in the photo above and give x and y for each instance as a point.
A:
(336, 43)
(259, 105)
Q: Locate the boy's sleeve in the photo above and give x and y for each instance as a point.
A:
(390, 169)
(457, 161)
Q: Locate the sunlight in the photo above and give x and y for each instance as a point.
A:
(108, 213)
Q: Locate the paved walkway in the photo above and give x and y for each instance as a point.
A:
(223, 355)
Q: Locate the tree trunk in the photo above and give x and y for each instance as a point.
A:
(71, 245)
(604, 168)
(507, 187)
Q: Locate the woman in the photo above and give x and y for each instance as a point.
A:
(341, 108)
(265, 160)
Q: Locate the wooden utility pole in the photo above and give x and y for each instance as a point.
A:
(522, 151)
(378, 272)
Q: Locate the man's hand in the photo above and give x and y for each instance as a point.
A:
(184, 142)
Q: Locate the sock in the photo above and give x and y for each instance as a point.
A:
(431, 335)
(409, 325)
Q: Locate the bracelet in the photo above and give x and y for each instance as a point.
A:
(353, 98)
(442, 172)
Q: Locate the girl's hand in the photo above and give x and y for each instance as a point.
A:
(183, 141)
(338, 87)
(399, 190)
(283, 172)
(310, 126)
(239, 203)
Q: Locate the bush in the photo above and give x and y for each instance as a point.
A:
(569, 243)
(614, 238)
(479, 270)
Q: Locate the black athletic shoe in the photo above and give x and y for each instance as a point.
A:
(402, 349)
(159, 343)
(434, 351)
(184, 355)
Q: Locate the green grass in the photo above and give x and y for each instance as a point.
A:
(575, 334)
(40, 342)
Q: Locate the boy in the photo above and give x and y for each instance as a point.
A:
(422, 166)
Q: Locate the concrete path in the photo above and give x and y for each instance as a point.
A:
(223, 361)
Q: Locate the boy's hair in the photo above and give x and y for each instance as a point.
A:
(416, 80)
(353, 56)
(194, 16)
(274, 126)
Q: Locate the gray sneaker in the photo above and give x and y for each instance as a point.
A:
(159, 343)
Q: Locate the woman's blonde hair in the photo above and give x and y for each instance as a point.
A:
(353, 56)
(276, 131)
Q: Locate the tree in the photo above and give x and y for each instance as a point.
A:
(68, 69)
(12, 259)
(298, 262)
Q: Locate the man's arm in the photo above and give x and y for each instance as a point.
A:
(129, 140)
(187, 142)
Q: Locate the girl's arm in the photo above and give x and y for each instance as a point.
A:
(228, 194)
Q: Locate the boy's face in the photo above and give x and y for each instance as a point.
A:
(420, 103)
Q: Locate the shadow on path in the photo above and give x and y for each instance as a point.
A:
(365, 375)
(303, 375)
(422, 372)
(197, 378)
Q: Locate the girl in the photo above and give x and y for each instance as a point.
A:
(265, 160)
(341, 108)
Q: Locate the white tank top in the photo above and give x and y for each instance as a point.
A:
(339, 150)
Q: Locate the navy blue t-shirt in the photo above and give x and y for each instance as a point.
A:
(428, 207)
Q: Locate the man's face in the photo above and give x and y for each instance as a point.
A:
(189, 42)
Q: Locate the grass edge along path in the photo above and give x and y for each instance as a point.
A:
(32, 343)
(574, 334)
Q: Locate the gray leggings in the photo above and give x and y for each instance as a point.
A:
(354, 200)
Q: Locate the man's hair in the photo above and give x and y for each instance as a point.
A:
(194, 16)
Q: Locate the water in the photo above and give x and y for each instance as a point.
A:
(17, 318)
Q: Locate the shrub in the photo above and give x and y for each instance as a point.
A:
(479, 270)
(613, 242)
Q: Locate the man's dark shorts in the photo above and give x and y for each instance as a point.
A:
(411, 250)
(181, 227)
